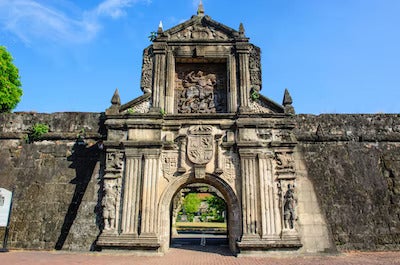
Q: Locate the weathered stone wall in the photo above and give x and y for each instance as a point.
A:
(352, 160)
(354, 164)
(55, 180)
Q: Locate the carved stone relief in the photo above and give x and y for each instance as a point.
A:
(257, 106)
(288, 203)
(200, 88)
(284, 161)
(147, 71)
(169, 164)
(265, 134)
(112, 192)
(255, 67)
(200, 145)
(231, 166)
(115, 161)
(283, 136)
(199, 32)
(142, 107)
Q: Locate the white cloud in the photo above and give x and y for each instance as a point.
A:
(31, 20)
(113, 8)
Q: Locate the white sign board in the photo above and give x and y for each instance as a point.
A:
(5, 203)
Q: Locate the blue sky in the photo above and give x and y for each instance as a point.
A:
(334, 56)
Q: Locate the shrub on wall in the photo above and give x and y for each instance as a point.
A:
(36, 132)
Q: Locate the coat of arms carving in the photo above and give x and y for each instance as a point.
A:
(200, 145)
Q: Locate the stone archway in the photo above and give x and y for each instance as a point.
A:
(233, 208)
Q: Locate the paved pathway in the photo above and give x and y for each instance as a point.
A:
(198, 256)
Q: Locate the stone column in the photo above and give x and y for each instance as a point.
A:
(244, 77)
(232, 93)
(159, 50)
(249, 195)
(269, 199)
(131, 198)
(169, 94)
(149, 226)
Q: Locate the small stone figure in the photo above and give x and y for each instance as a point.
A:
(109, 204)
(288, 207)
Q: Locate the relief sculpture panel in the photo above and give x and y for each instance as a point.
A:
(200, 88)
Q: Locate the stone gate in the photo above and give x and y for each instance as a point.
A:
(202, 119)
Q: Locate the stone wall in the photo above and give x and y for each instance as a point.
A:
(354, 164)
(55, 180)
(352, 160)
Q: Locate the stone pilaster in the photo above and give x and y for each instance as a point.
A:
(233, 94)
(159, 76)
(244, 76)
(269, 200)
(131, 197)
(250, 205)
(151, 168)
(170, 86)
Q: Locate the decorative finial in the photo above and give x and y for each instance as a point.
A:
(241, 30)
(160, 27)
(116, 99)
(200, 9)
(287, 102)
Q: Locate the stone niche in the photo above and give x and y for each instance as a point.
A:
(201, 119)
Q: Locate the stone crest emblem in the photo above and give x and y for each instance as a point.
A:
(200, 144)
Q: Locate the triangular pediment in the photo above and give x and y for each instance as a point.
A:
(201, 28)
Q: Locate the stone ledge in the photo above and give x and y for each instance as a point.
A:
(129, 242)
(269, 245)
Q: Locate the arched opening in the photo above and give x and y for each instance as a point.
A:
(198, 218)
(232, 213)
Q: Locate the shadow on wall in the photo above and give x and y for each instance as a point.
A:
(84, 160)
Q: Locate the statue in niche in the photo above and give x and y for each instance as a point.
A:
(109, 204)
(198, 94)
(289, 203)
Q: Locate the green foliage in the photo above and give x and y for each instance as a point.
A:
(10, 84)
(153, 36)
(216, 206)
(36, 132)
(130, 111)
(163, 112)
(254, 95)
(191, 203)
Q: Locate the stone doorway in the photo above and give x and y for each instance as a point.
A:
(198, 219)
(221, 243)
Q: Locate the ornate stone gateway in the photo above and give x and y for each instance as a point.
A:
(201, 119)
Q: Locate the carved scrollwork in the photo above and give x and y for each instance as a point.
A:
(147, 71)
(255, 67)
(114, 161)
(284, 161)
